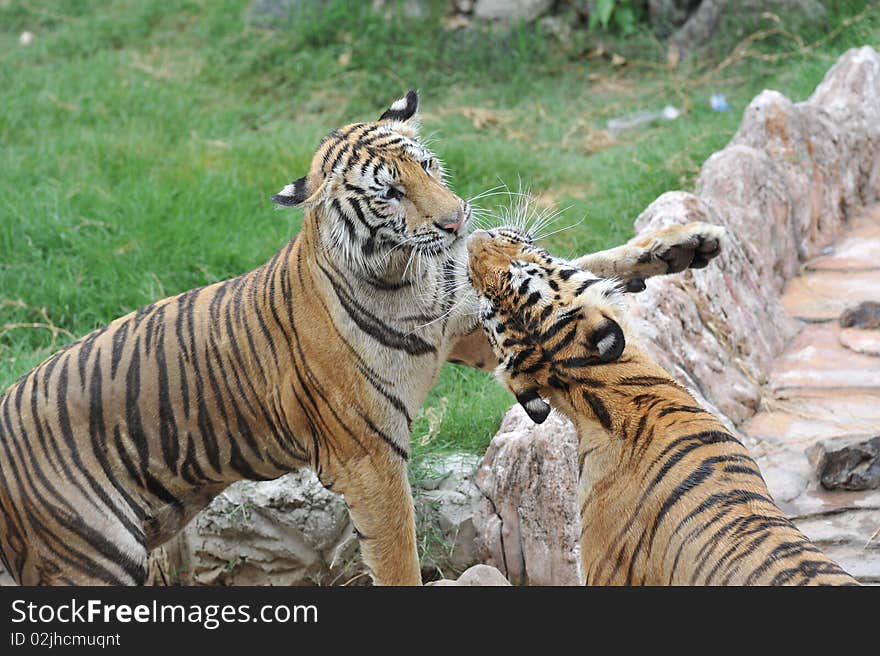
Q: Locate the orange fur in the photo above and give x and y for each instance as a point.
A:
(668, 495)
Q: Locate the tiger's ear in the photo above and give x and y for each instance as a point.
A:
(298, 193)
(525, 390)
(402, 109)
(536, 408)
(608, 340)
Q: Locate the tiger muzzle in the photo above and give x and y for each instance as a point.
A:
(453, 224)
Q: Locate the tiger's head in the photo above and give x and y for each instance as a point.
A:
(379, 196)
(546, 319)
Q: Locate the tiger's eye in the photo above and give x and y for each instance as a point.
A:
(392, 193)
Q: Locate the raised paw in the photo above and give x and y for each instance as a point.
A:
(669, 250)
(690, 246)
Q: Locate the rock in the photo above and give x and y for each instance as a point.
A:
(478, 575)
(447, 510)
(817, 359)
(718, 329)
(744, 187)
(532, 526)
(849, 539)
(803, 145)
(293, 531)
(288, 531)
(818, 502)
(861, 341)
(859, 249)
(848, 463)
(850, 94)
(511, 10)
(803, 415)
(825, 295)
(864, 315)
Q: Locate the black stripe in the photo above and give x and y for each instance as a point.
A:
(133, 423)
(67, 433)
(680, 408)
(168, 435)
(646, 381)
(585, 285)
(98, 435)
(67, 518)
(376, 328)
(119, 338)
(395, 401)
(385, 438)
(598, 409)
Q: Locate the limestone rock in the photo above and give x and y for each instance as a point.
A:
(717, 329)
(511, 10)
(863, 315)
(447, 512)
(289, 531)
(848, 463)
(478, 575)
(824, 295)
(850, 93)
(529, 475)
(807, 149)
(817, 359)
(802, 414)
(858, 249)
(293, 531)
(861, 341)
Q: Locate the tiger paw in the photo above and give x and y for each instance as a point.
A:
(676, 248)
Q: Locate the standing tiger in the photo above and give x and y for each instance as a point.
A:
(319, 358)
(667, 495)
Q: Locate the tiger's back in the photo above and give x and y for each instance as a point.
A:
(667, 495)
(114, 443)
(674, 498)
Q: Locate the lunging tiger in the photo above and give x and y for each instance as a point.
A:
(667, 495)
(319, 358)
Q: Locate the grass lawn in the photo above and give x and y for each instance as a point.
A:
(140, 141)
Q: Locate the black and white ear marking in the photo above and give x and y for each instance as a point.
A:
(608, 339)
(536, 408)
(402, 109)
(293, 194)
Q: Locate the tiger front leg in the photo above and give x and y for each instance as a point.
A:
(381, 507)
(669, 250)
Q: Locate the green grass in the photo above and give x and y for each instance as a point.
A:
(139, 143)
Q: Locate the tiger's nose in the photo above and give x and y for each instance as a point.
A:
(452, 224)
